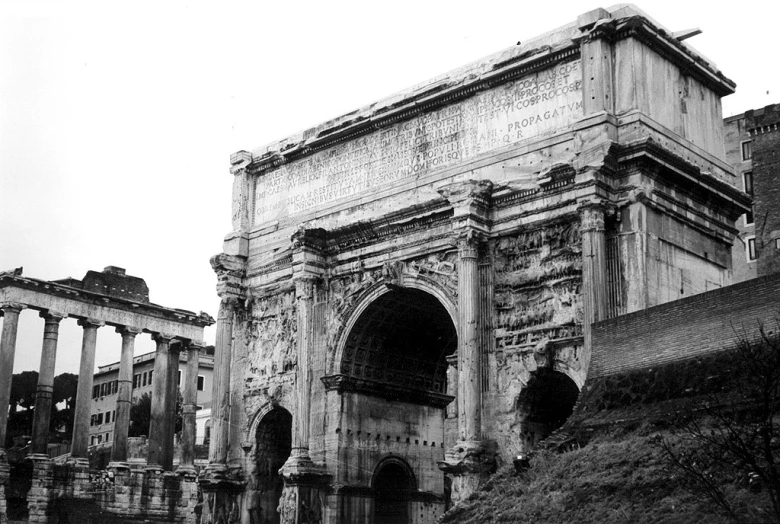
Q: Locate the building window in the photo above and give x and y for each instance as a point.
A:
(116, 386)
(150, 377)
(201, 382)
(96, 391)
(143, 379)
(136, 381)
(751, 249)
(747, 184)
(108, 417)
(178, 380)
(747, 150)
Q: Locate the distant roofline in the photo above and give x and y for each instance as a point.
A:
(206, 361)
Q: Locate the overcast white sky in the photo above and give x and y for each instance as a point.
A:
(117, 120)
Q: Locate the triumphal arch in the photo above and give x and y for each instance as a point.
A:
(407, 292)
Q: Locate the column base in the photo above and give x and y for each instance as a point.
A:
(80, 462)
(469, 463)
(153, 468)
(37, 457)
(187, 471)
(299, 468)
(117, 466)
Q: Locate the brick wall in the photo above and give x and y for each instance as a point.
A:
(764, 127)
(682, 329)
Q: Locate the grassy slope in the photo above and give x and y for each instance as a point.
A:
(617, 478)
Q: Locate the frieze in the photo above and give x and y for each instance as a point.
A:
(538, 279)
(534, 105)
(272, 334)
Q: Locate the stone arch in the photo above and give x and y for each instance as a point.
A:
(251, 433)
(392, 483)
(272, 440)
(544, 404)
(374, 292)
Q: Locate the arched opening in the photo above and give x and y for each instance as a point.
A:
(398, 347)
(274, 442)
(393, 483)
(545, 404)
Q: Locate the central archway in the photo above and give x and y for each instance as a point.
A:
(398, 345)
(393, 484)
(273, 444)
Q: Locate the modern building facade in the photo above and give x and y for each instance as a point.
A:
(105, 388)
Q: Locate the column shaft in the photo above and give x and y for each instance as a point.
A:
(80, 439)
(304, 290)
(220, 399)
(164, 388)
(189, 408)
(469, 361)
(45, 390)
(594, 277)
(124, 395)
(7, 352)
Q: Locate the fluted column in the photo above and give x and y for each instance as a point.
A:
(469, 359)
(304, 294)
(187, 462)
(220, 399)
(164, 388)
(7, 351)
(45, 390)
(80, 443)
(124, 396)
(594, 277)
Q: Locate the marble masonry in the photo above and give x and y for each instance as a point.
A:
(408, 290)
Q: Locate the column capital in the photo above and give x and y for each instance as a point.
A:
(163, 337)
(12, 307)
(592, 215)
(51, 316)
(230, 270)
(90, 322)
(305, 285)
(129, 330)
(469, 241)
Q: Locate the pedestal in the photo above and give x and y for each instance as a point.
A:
(469, 464)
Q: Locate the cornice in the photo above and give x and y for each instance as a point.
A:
(670, 48)
(440, 95)
(8, 280)
(343, 383)
(676, 171)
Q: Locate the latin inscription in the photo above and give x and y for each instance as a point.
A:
(529, 107)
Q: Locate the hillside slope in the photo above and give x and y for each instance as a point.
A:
(620, 478)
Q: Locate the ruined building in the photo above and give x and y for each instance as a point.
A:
(408, 290)
(52, 492)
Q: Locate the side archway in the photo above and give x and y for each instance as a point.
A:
(393, 483)
(273, 444)
(545, 404)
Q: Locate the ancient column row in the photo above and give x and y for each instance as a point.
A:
(161, 443)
